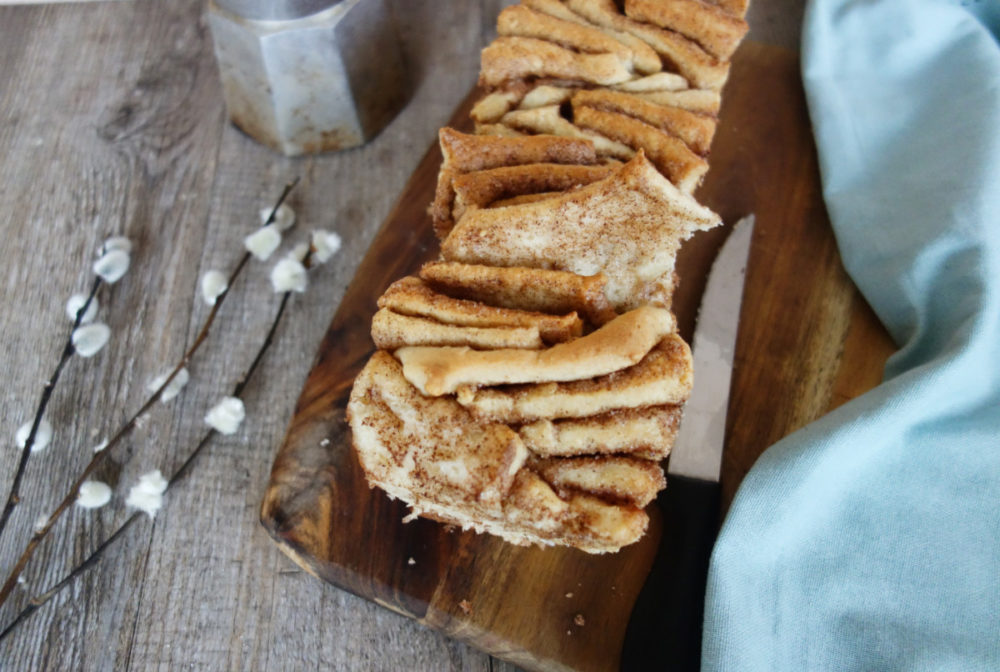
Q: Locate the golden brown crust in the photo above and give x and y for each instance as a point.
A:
(734, 7)
(548, 120)
(663, 377)
(479, 189)
(671, 156)
(555, 8)
(636, 215)
(694, 129)
(581, 520)
(645, 59)
(701, 101)
(709, 25)
(494, 129)
(412, 296)
(392, 330)
(444, 197)
(428, 446)
(522, 21)
(509, 59)
(448, 467)
(464, 153)
(524, 198)
(492, 106)
(617, 345)
(532, 289)
(533, 514)
(661, 81)
(600, 527)
(538, 232)
(663, 88)
(611, 478)
(700, 68)
(545, 119)
(647, 432)
(544, 95)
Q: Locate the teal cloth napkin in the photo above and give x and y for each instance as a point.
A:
(870, 540)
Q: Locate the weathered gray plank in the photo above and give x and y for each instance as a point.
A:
(309, 625)
(111, 121)
(146, 120)
(113, 118)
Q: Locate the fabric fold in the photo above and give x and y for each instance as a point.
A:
(871, 538)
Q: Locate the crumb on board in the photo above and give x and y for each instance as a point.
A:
(569, 595)
(325, 442)
(569, 632)
(411, 561)
(465, 607)
(579, 620)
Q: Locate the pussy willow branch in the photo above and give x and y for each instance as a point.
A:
(182, 471)
(126, 429)
(14, 496)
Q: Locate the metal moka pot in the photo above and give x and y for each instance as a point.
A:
(307, 76)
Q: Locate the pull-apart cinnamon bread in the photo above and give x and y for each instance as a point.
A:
(529, 383)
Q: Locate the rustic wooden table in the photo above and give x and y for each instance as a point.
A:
(112, 122)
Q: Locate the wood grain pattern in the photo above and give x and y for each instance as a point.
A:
(111, 120)
(511, 602)
(806, 334)
(475, 588)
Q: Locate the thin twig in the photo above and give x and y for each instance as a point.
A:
(36, 602)
(14, 496)
(126, 429)
(182, 471)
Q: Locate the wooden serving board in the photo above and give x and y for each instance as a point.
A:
(807, 343)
